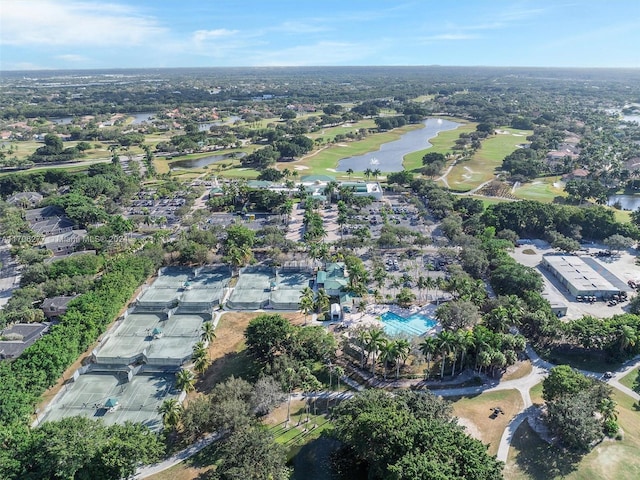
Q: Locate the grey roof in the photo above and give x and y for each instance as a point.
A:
(36, 214)
(56, 303)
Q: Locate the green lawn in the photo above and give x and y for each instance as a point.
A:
(530, 458)
(544, 189)
(467, 175)
(443, 143)
(632, 380)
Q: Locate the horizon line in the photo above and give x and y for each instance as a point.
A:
(316, 66)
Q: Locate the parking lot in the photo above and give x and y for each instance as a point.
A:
(622, 265)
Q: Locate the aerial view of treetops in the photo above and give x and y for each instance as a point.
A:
(319, 242)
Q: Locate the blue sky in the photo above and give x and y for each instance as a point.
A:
(74, 34)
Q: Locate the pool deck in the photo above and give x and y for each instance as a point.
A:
(369, 318)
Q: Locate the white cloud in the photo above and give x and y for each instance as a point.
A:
(51, 22)
(200, 36)
(71, 57)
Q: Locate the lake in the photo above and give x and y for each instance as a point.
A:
(141, 117)
(628, 202)
(204, 127)
(201, 162)
(390, 155)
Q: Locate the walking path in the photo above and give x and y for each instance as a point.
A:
(529, 412)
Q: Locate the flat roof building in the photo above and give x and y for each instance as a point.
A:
(580, 278)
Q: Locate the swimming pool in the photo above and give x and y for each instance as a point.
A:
(415, 324)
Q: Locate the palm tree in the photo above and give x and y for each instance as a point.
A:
(323, 301)
(362, 336)
(289, 375)
(429, 284)
(608, 410)
(465, 340)
(498, 319)
(445, 341)
(349, 172)
(201, 364)
(185, 381)
(428, 347)
(171, 411)
(403, 348)
(388, 354)
(376, 173)
(339, 371)
(207, 333)
(481, 338)
(374, 341)
(361, 307)
(367, 173)
(627, 337)
(306, 306)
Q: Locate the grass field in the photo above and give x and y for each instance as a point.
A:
(530, 458)
(442, 143)
(632, 380)
(536, 394)
(482, 166)
(475, 414)
(544, 189)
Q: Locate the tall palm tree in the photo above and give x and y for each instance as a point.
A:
(207, 333)
(428, 347)
(445, 341)
(171, 411)
(185, 381)
(367, 173)
(429, 284)
(388, 353)
(323, 301)
(306, 306)
(376, 173)
(403, 348)
(481, 338)
(374, 340)
(362, 337)
(465, 340)
(289, 375)
(349, 172)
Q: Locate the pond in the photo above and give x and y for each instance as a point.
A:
(201, 162)
(627, 202)
(141, 117)
(61, 120)
(204, 127)
(390, 155)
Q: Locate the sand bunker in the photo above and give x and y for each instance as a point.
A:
(301, 167)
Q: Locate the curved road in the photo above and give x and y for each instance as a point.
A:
(523, 385)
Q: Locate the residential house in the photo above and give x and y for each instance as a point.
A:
(55, 307)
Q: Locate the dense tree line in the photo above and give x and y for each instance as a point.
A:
(580, 410)
(77, 448)
(42, 364)
(406, 436)
(531, 218)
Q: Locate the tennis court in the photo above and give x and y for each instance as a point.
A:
(252, 290)
(153, 338)
(288, 288)
(137, 400)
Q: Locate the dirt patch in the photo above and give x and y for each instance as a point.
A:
(227, 350)
(470, 427)
(529, 251)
